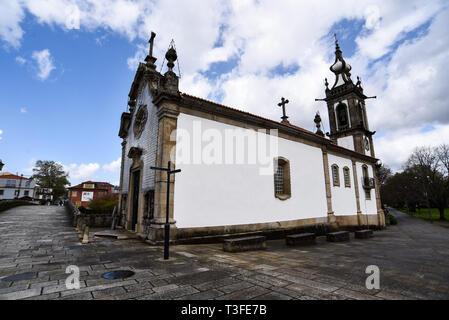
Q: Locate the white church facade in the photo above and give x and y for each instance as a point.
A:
(288, 179)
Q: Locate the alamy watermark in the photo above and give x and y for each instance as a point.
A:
(73, 280)
(236, 146)
(373, 280)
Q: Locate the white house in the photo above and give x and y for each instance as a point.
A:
(13, 186)
(240, 172)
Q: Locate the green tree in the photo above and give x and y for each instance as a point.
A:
(51, 175)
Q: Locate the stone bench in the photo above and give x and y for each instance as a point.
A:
(244, 244)
(364, 234)
(338, 236)
(300, 239)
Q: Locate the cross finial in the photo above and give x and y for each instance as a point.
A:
(282, 104)
(336, 42)
(151, 42)
(150, 60)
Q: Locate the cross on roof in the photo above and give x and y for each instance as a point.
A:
(282, 104)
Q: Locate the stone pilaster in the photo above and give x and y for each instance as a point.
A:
(380, 212)
(330, 212)
(357, 195)
(168, 115)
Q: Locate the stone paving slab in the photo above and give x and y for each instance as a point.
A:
(412, 257)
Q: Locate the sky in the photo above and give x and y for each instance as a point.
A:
(66, 67)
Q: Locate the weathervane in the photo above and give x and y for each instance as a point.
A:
(282, 104)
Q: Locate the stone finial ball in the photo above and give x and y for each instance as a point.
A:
(171, 54)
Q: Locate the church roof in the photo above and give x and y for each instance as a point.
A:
(276, 124)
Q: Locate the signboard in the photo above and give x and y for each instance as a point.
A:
(87, 196)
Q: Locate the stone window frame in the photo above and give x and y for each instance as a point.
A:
(365, 174)
(347, 177)
(335, 175)
(286, 180)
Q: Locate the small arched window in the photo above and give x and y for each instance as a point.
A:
(335, 176)
(342, 116)
(282, 187)
(347, 177)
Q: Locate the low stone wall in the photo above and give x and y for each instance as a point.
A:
(91, 218)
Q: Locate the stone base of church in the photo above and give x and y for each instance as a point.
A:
(272, 230)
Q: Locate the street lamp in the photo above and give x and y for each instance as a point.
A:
(1, 165)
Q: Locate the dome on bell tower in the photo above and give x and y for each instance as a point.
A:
(340, 68)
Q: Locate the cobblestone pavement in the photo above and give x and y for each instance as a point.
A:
(38, 243)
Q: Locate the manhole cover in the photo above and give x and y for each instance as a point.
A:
(21, 276)
(117, 274)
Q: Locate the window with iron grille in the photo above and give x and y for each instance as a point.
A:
(279, 180)
(346, 176)
(282, 187)
(335, 176)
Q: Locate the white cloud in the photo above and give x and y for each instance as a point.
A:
(11, 14)
(81, 171)
(394, 148)
(23, 110)
(114, 166)
(21, 60)
(1, 132)
(410, 80)
(44, 63)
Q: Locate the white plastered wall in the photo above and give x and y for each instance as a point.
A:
(234, 194)
(343, 198)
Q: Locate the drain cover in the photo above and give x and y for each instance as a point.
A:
(117, 274)
(21, 276)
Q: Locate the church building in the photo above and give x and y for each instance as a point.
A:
(309, 181)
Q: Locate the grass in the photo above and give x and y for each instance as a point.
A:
(423, 213)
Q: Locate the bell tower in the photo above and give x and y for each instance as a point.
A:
(346, 107)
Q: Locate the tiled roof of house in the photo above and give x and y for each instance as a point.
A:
(11, 176)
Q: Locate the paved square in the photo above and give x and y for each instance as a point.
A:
(38, 243)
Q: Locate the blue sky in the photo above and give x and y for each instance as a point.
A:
(67, 66)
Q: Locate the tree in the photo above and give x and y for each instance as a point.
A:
(425, 166)
(51, 175)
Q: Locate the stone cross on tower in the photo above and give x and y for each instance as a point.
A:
(282, 104)
(150, 60)
(151, 41)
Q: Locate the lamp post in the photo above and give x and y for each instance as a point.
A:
(1, 165)
(167, 224)
(20, 185)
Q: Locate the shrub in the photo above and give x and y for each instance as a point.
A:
(393, 220)
(106, 203)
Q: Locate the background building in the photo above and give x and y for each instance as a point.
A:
(84, 192)
(43, 193)
(14, 186)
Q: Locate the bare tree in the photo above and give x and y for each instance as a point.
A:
(425, 165)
